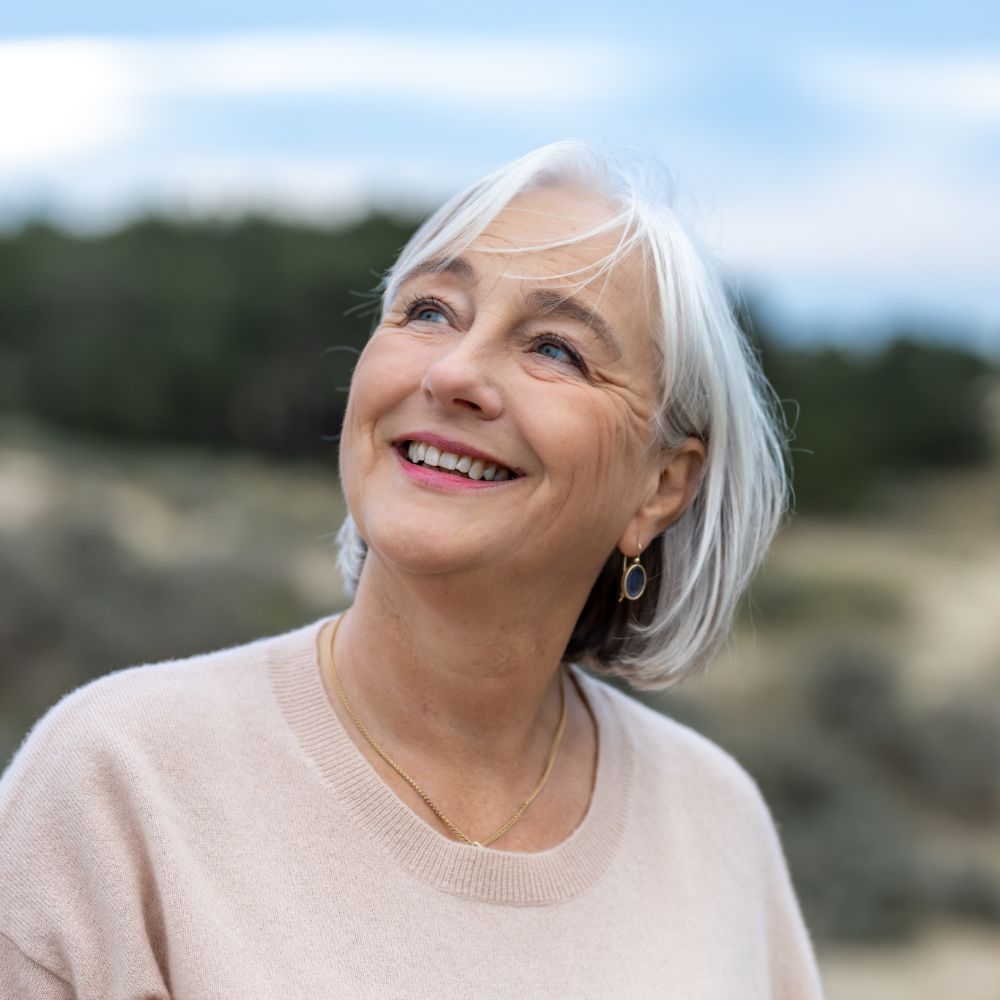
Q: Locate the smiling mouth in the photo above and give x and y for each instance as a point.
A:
(463, 466)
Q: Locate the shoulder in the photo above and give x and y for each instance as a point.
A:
(106, 772)
(136, 712)
(692, 800)
(675, 764)
(108, 775)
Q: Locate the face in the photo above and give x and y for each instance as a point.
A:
(499, 360)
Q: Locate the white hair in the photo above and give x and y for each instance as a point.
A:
(711, 388)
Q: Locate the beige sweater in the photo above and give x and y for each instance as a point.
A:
(205, 828)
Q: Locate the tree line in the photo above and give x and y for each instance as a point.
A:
(241, 334)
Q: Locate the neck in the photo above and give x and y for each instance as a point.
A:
(455, 671)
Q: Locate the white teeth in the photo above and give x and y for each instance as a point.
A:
(474, 468)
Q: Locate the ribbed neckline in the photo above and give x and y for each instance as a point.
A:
(549, 876)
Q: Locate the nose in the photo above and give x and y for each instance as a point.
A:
(463, 377)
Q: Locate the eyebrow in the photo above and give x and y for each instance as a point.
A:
(457, 266)
(550, 303)
(543, 301)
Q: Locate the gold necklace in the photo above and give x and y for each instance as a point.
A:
(430, 805)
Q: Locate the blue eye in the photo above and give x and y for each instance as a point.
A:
(427, 314)
(554, 351)
(425, 309)
(558, 350)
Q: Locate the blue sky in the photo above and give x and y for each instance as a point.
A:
(844, 161)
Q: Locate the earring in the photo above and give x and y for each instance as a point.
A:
(633, 584)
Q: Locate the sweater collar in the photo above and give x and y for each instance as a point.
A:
(550, 876)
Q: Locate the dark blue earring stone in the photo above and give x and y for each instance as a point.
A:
(635, 581)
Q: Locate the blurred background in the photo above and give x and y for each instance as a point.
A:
(196, 203)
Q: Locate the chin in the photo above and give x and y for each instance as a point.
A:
(416, 545)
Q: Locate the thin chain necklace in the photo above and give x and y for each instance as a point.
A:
(430, 805)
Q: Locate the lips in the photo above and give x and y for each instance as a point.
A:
(463, 465)
(447, 454)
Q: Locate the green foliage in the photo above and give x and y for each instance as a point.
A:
(860, 421)
(212, 333)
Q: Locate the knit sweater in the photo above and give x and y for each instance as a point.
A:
(206, 828)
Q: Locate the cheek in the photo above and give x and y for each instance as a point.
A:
(389, 369)
(596, 441)
(386, 371)
(385, 374)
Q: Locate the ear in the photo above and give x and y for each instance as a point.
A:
(676, 478)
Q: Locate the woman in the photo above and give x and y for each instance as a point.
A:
(557, 450)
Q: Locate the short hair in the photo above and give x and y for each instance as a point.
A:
(711, 387)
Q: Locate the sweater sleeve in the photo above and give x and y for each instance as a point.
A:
(793, 968)
(77, 871)
(746, 840)
(22, 978)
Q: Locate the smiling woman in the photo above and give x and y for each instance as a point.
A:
(558, 451)
(565, 240)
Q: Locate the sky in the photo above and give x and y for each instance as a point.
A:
(842, 161)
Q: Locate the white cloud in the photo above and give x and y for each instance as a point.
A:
(218, 185)
(870, 232)
(448, 70)
(62, 97)
(313, 189)
(865, 215)
(76, 95)
(956, 89)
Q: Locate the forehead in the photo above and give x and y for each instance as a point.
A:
(545, 237)
(542, 250)
(527, 233)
